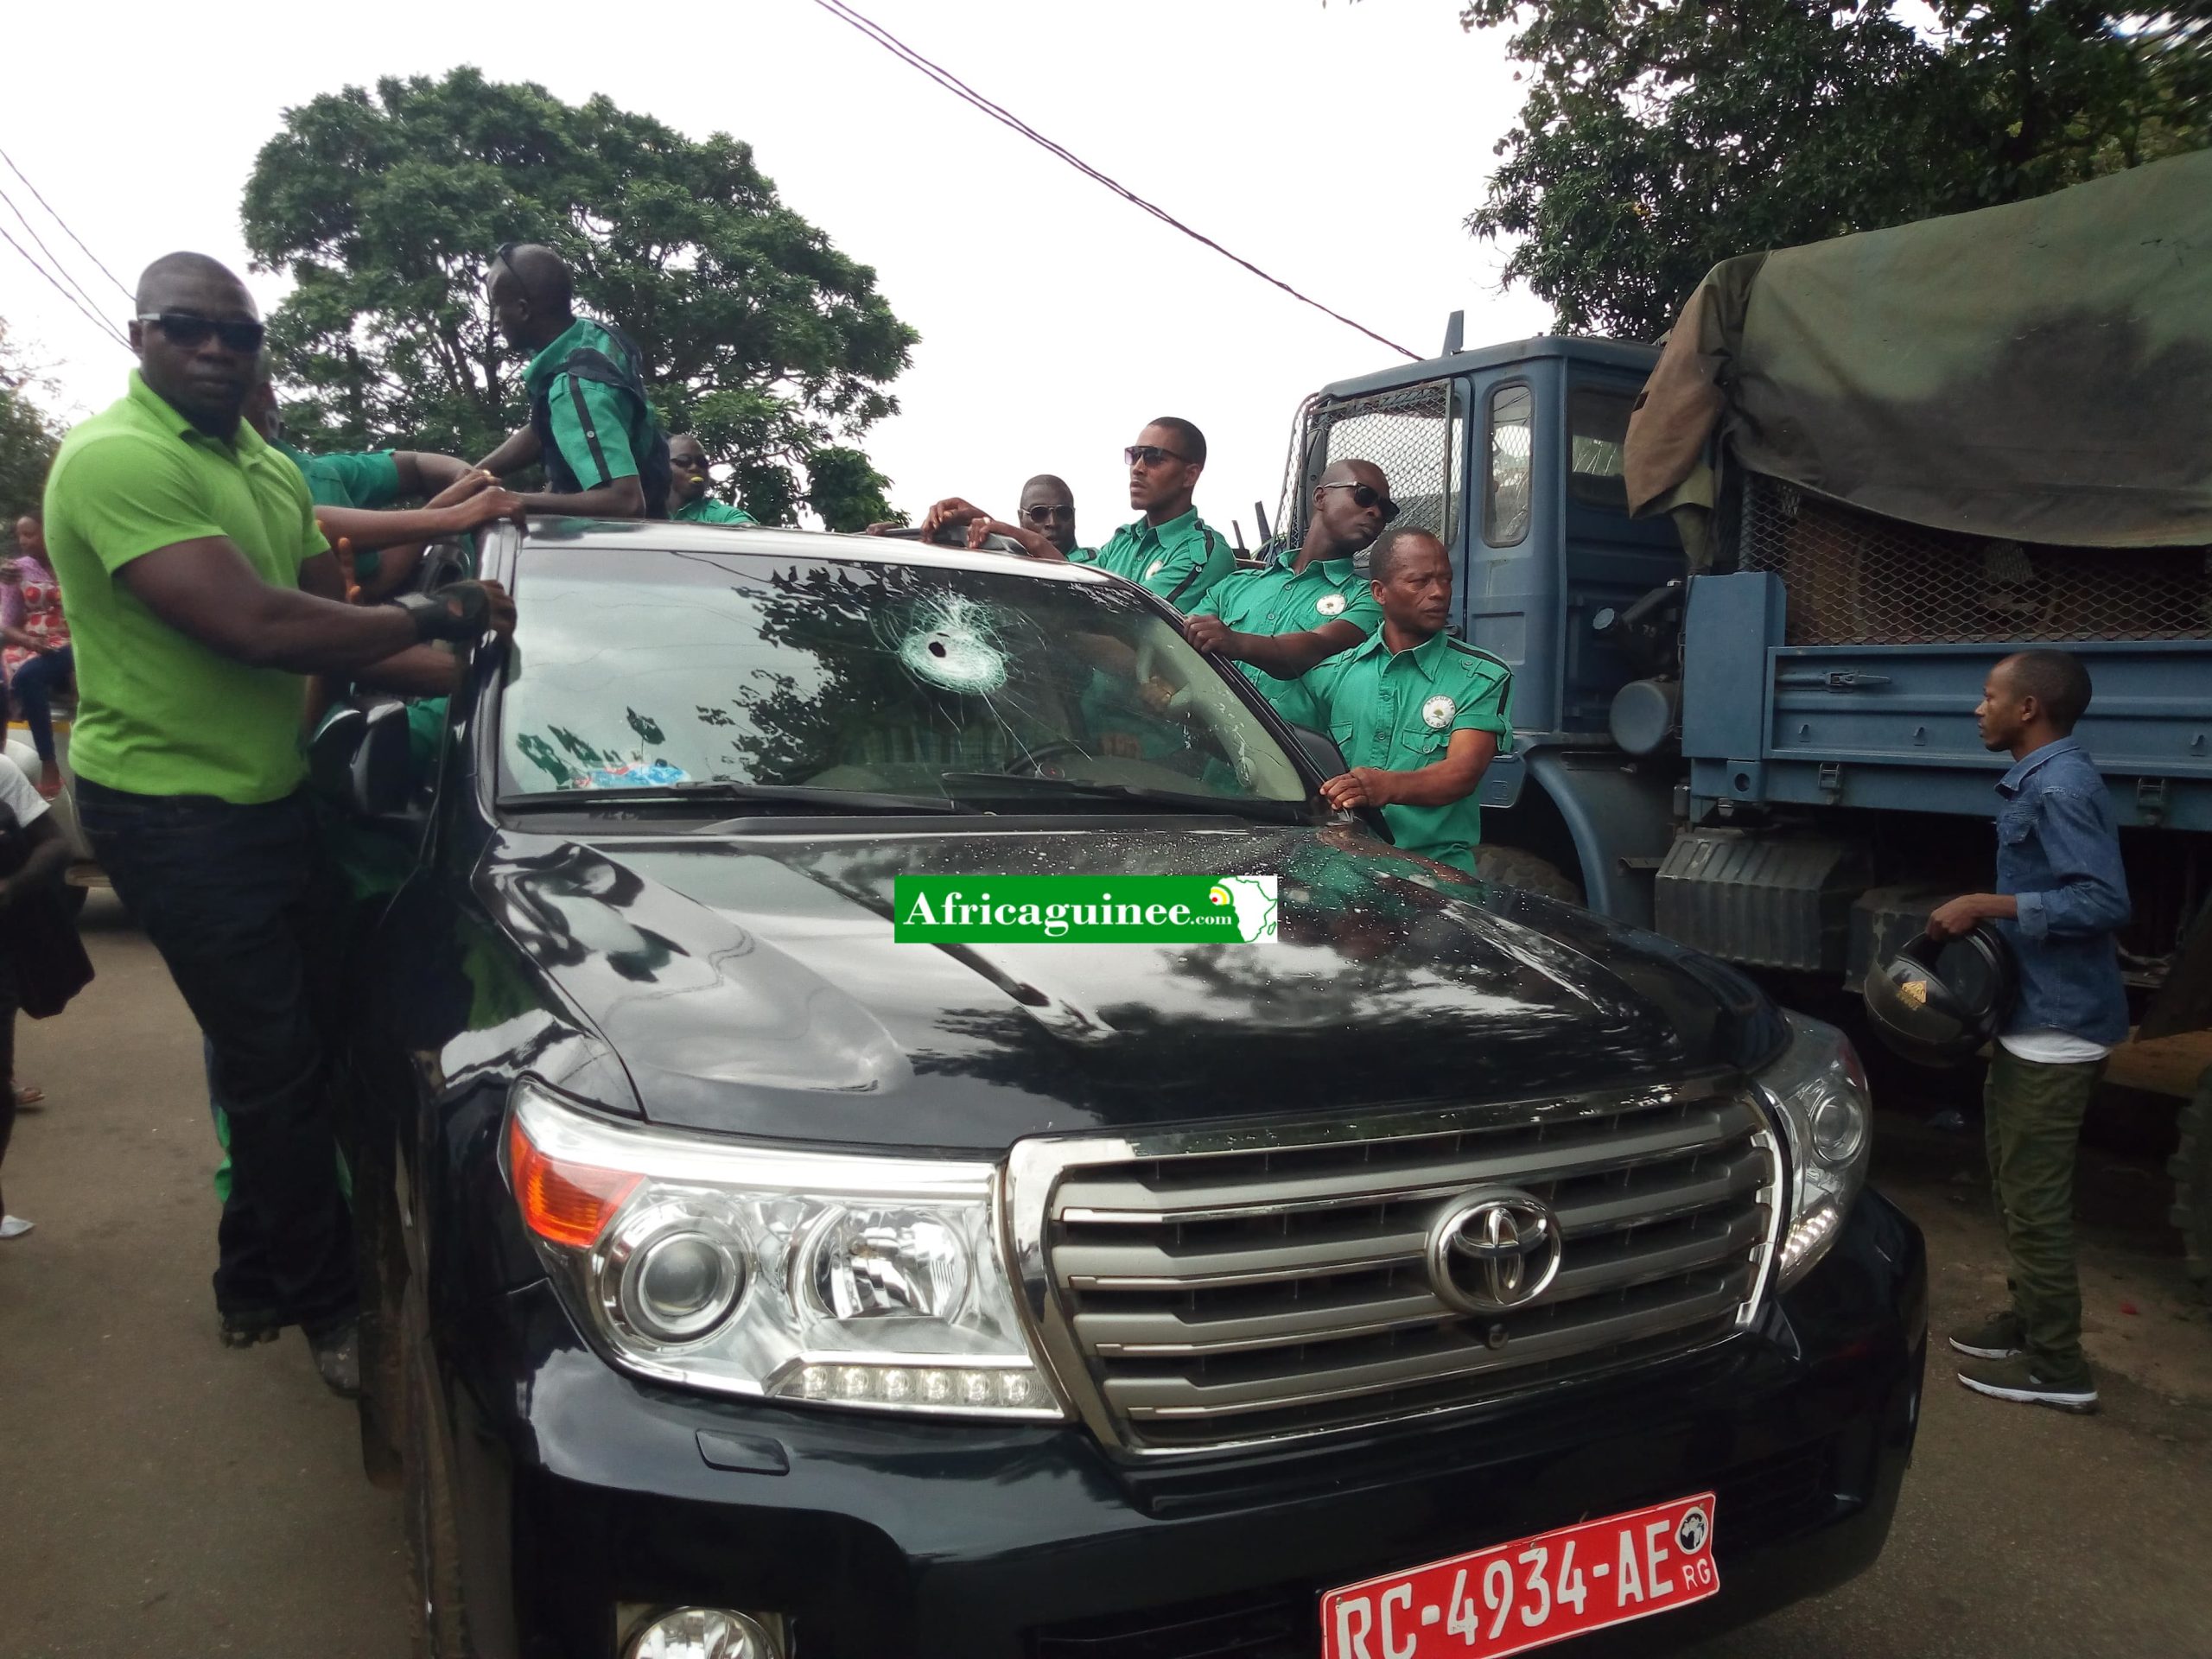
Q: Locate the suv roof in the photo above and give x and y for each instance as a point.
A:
(667, 536)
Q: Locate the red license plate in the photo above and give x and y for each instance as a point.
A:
(1513, 1597)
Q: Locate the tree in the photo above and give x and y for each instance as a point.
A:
(385, 208)
(1657, 138)
(29, 437)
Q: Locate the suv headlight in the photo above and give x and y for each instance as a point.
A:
(1818, 1089)
(859, 1281)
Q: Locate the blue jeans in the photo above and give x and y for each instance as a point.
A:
(240, 903)
(33, 684)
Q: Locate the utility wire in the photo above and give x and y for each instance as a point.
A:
(52, 258)
(64, 224)
(91, 317)
(961, 90)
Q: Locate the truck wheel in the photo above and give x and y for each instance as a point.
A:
(1511, 868)
(2191, 1168)
(437, 1620)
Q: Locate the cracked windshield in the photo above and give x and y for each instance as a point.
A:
(663, 671)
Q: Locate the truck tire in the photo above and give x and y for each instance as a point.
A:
(2191, 1168)
(1509, 867)
(437, 1619)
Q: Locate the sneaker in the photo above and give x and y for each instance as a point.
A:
(1997, 1337)
(13, 1226)
(2017, 1379)
(338, 1357)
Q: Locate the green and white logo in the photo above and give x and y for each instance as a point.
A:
(1085, 909)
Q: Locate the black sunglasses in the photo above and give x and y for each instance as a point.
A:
(185, 330)
(1151, 455)
(1046, 515)
(1366, 495)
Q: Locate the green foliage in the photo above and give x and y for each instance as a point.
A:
(29, 437)
(385, 209)
(1657, 138)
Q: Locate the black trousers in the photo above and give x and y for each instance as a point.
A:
(243, 909)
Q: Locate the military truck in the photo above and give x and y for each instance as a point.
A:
(1750, 582)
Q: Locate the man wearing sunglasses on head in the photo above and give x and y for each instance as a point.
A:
(201, 592)
(590, 421)
(1297, 611)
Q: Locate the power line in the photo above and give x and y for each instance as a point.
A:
(968, 94)
(96, 321)
(64, 224)
(31, 231)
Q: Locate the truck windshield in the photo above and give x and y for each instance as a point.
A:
(1597, 424)
(680, 671)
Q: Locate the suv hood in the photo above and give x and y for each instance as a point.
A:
(750, 985)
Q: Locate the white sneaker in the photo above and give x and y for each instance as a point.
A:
(13, 1226)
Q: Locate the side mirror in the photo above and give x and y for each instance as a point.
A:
(1321, 749)
(359, 759)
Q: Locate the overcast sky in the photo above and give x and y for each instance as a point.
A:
(1338, 146)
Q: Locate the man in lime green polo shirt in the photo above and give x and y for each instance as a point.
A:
(1419, 714)
(690, 483)
(591, 424)
(199, 591)
(1278, 621)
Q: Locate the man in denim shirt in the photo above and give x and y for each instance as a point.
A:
(2060, 895)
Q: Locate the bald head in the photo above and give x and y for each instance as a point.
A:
(203, 354)
(532, 294)
(174, 278)
(1341, 526)
(1048, 508)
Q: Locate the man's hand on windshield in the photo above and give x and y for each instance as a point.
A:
(1361, 786)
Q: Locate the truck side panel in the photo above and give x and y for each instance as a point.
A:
(1893, 727)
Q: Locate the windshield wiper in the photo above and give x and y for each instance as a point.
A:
(1029, 783)
(714, 792)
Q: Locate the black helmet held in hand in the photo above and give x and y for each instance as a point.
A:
(1937, 1003)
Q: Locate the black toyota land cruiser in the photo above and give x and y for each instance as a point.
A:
(1457, 1273)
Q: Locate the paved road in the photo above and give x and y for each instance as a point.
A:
(163, 1498)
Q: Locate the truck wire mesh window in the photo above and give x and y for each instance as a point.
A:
(1505, 490)
(1596, 428)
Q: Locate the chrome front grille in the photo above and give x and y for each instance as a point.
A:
(1200, 1289)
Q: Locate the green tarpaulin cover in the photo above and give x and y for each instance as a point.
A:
(2041, 370)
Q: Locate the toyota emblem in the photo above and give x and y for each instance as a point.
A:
(1493, 1251)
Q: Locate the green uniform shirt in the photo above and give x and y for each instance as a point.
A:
(708, 510)
(158, 713)
(1280, 599)
(368, 479)
(600, 451)
(1396, 711)
(1180, 560)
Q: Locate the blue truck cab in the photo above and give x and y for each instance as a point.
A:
(1767, 750)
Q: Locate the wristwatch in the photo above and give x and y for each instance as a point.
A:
(461, 611)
